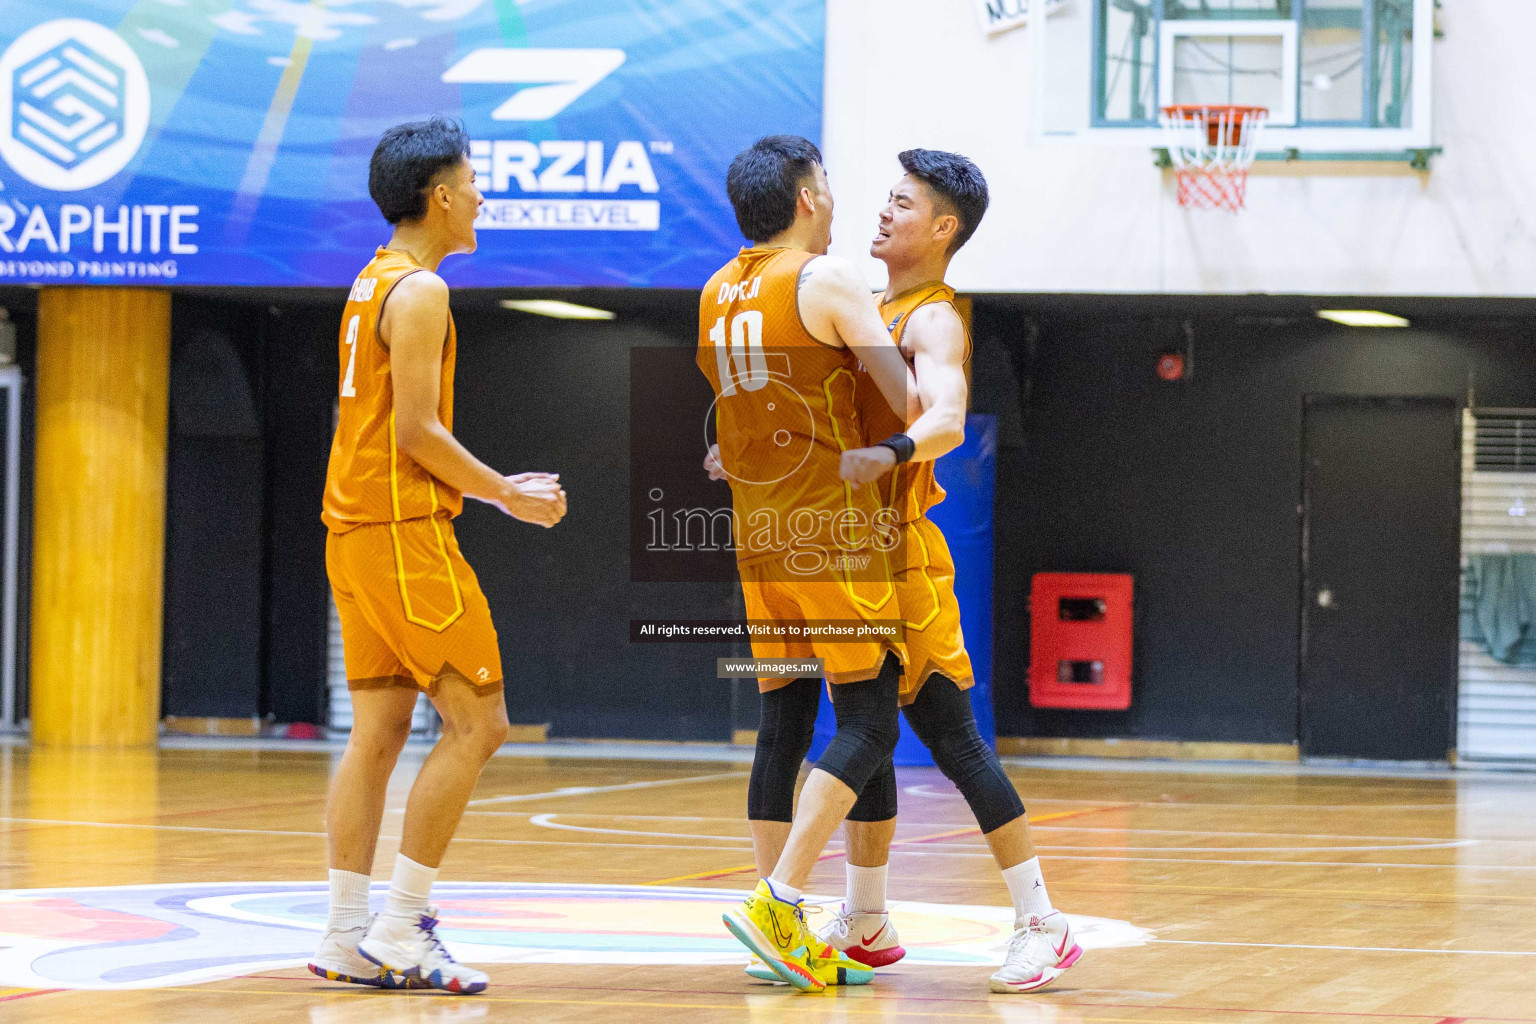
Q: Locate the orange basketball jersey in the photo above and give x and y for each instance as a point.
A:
(784, 412)
(910, 489)
(369, 479)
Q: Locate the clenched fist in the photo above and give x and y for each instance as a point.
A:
(534, 498)
(863, 465)
(712, 464)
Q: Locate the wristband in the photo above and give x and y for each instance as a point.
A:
(901, 444)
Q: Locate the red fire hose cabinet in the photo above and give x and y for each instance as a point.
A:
(1080, 641)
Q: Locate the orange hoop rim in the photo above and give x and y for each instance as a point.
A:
(1239, 112)
(1211, 146)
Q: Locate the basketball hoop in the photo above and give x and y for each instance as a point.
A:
(1211, 149)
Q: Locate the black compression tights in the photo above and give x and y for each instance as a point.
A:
(867, 730)
(942, 718)
(785, 724)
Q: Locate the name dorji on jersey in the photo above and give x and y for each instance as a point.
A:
(741, 292)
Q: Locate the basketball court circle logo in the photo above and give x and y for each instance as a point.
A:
(74, 104)
(163, 935)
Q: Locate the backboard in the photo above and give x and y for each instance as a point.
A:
(1347, 79)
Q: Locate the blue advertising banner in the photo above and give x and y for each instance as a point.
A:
(226, 142)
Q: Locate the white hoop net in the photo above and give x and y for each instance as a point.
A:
(1211, 148)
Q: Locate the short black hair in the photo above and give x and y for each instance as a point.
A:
(764, 183)
(957, 182)
(408, 159)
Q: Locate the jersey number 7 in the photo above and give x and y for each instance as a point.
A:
(347, 388)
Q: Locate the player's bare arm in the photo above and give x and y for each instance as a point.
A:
(414, 326)
(936, 337)
(839, 309)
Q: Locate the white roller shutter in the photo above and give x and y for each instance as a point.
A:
(1496, 718)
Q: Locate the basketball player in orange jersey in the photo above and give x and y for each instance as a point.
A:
(782, 331)
(930, 213)
(413, 617)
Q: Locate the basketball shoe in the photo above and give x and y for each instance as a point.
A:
(775, 932)
(337, 959)
(1040, 950)
(412, 950)
(868, 938)
(831, 967)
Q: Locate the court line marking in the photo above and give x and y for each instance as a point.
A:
(827, 1001)
(1283, 835)
(1435, 1017)
(1348, 949)
(1222, 860)
(8, 994)
(927, 790)
(1452, 866)
(396, 839)
(161, 828)
(1175, 804)
(720, 873)
(616, 788)
(286, 805)
(1408, 842)
(701, 875)
(1454, 844)
(1378, 895)
(897, 843)
(1052, 999)
(826, 855)
(902, 822)
(546, 820)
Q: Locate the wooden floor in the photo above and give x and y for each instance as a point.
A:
(1262, 896)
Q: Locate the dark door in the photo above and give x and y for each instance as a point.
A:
(1380, 570)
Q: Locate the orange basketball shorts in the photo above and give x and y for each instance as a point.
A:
(925, 593)
(412, 612)
(775, 593)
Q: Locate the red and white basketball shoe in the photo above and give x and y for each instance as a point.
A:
(1040, 950)
(868, 938)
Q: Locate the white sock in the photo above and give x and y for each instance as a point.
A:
(1027, 887)
(349, 900)
(866, 889)
(410, 888)
(783, 890)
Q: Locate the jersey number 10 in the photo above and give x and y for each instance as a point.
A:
(746, 350)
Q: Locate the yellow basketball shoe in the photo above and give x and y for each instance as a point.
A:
(831, 967)
(775, 931)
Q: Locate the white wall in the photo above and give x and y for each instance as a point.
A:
(1069, 217)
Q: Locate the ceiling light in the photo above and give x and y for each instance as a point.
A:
(556, 308)
(1362, 318)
